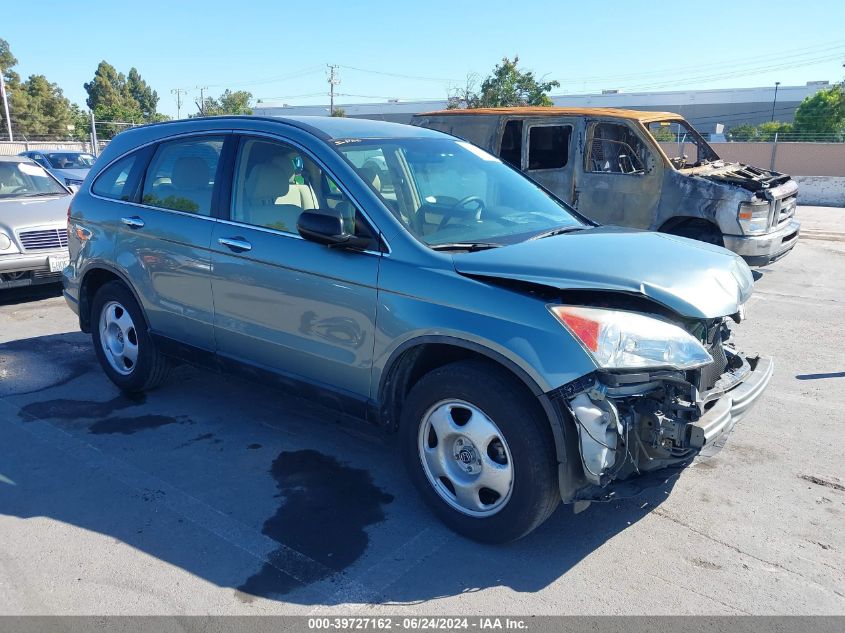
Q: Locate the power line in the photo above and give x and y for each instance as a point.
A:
(312, 70)
(735, 64)
(399, 75)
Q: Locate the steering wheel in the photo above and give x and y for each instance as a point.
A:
(460, 208)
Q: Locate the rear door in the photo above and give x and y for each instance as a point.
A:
(299, 310)
(163, 241)
(619, 178)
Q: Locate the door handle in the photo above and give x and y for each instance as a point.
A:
(133, 222)
(237, 244)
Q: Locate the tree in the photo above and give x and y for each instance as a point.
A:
(146, 97)
(37, 106)
(464, 97)
(113, 96)
(821, 117)
(237, 102)
(506, 86)
(744, 132)
(108, 88)
(339, 112)
(770, 129)
(7, 62)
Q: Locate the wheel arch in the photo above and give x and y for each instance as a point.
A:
(94, 278)
(416, 357)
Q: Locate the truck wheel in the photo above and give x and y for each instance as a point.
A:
(700, 230)
(480, 452)
(121, 340)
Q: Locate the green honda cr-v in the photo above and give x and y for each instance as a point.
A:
(523, 354)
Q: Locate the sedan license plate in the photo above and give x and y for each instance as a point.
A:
(57, 264)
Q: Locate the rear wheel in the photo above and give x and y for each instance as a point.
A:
(480, 451)
(122, 342)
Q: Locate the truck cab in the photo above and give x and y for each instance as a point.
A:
(648, 170)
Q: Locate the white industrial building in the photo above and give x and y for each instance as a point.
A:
(705, 109)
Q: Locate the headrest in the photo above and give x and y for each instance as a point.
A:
(285, 163)
(269, 181)
(371, 176)
(190, 172)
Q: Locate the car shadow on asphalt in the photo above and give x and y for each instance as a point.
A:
(252, 490)
(25, 294)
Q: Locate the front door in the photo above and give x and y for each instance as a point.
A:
(619, 177)
(299, 310)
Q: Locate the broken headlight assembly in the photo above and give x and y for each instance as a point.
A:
(617, 339)
(754, 217)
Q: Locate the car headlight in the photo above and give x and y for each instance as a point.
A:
(628, 340)
(5, 242)
(754, 216)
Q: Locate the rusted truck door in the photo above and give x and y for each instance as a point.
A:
(619, 176)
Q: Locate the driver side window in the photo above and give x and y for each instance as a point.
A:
(615, 149)
(275, 183)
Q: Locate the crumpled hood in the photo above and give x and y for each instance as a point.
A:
(694, 279)
(18, 213)
(745, 176)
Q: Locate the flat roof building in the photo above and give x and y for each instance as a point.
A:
(704, 109)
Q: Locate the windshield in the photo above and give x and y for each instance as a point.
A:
(24, 180)
(682, 143)
(70, 160)
(447, 191)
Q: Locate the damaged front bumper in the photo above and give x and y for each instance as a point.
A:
(626, 433)
(760, 250)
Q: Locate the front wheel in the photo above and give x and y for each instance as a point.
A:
(480, 451)
(121, 341)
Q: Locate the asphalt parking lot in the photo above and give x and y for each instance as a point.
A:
(214, 496)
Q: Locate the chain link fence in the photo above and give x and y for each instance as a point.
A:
(91, 140)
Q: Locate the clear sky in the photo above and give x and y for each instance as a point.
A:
(279, 50)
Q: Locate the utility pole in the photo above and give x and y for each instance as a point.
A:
(334, 80)
(95, 146)
(201, 103)
(5, 105)
(178, 92)
(775, 100)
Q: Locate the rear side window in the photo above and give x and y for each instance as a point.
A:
(181, 175)
(114, 182)
(548, 146)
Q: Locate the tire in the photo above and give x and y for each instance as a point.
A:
(700, 230)
(463, 397)
(122, 341)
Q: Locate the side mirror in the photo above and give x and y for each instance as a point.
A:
(323, 229)
(328, 230)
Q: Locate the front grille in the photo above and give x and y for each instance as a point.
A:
(44, 239)
(785, 209)
(711, 373)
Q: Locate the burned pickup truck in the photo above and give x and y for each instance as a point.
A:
(631, 168)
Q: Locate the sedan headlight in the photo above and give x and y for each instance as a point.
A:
(628, 340)
(754, 217)
(5, 242)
